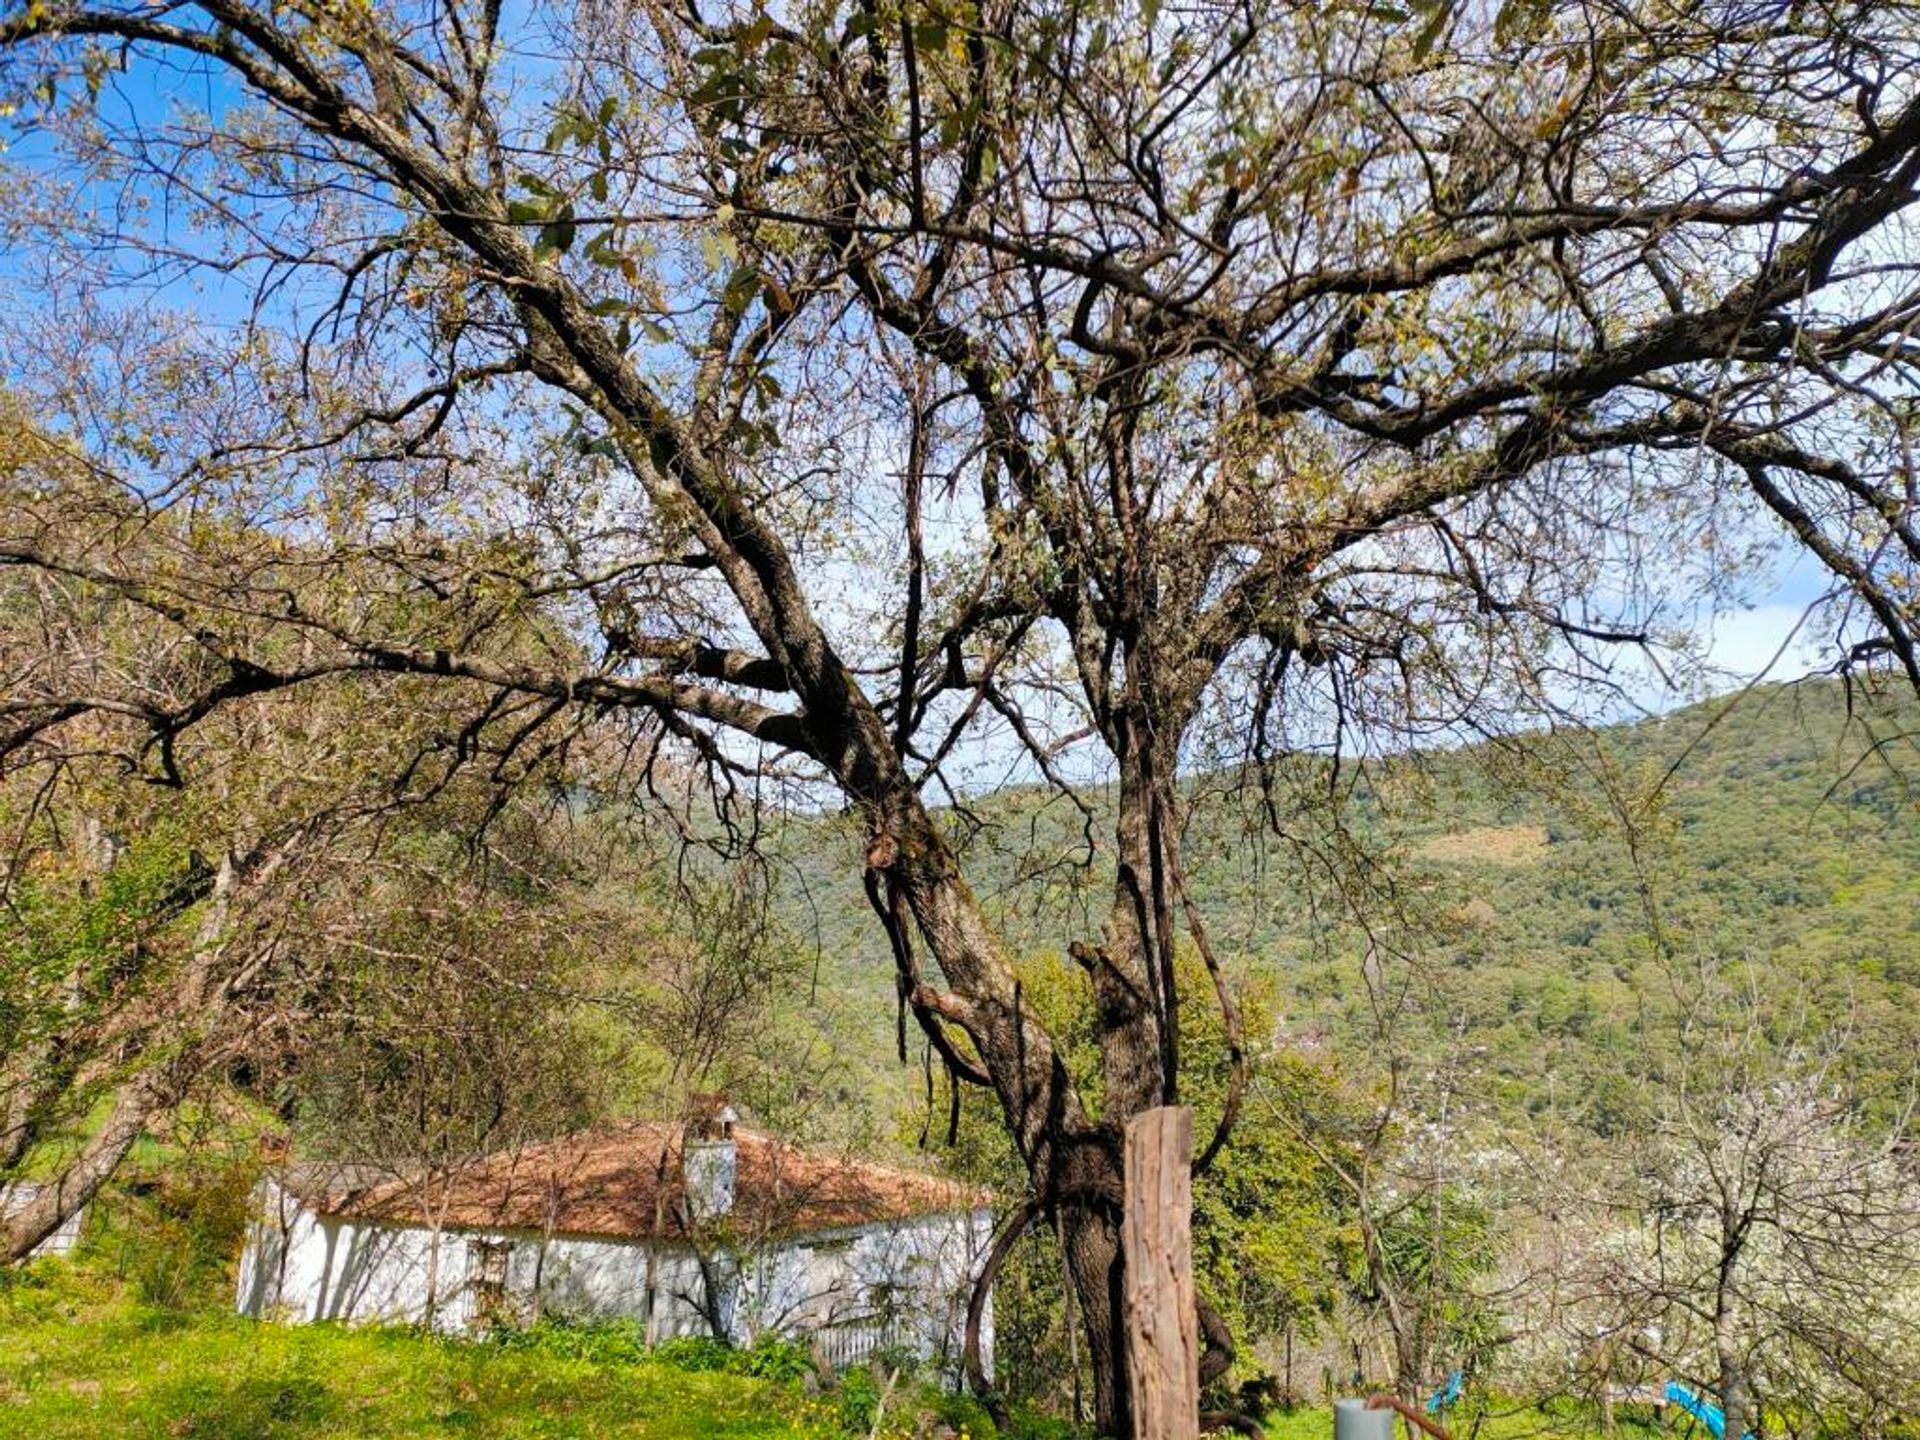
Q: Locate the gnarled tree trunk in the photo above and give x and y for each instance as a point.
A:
(1073, 1159)
(140, 1100)
(171, 1054)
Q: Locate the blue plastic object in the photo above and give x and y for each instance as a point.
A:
(1447, 1393)
(1701, 1409)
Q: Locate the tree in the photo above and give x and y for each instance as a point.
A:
(1765, 1240)
(160, 946)
(1420, 1192)
(1172, 384)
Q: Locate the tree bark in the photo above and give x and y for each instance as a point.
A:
(1098, 1268)
(1129, 974)
(179, 1036)
(1074, 1163)
(1736, 1394)
(142, 1098)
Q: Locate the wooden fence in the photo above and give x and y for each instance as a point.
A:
(842, 1346)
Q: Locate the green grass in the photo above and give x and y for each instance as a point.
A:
(79, 1357)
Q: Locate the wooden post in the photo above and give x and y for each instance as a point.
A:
(1156, 1237)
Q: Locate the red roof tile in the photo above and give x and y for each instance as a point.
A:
(628, 1183)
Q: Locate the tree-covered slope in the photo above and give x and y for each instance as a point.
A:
(1532, 899)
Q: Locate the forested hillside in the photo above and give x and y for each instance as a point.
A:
(1538, 896)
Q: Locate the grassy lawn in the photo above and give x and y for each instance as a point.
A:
(79, 1358)
(82, 1359)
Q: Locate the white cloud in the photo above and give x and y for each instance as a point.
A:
(1776, 638)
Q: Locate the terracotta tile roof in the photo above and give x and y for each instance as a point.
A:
(326, 1185)
(628, 1183)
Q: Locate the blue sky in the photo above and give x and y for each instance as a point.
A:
(1743, 642)
(1746, 642)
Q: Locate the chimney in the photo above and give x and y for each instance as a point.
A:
(710, 1164)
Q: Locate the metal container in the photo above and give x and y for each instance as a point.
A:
(1352, 1420)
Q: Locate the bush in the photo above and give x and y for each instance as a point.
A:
(773, 1356)
(1027, 1423)
(38, 1293)
(859, 1401)
(960, 1412)
(697, 1352)
(176, 1238)
(599, 1342)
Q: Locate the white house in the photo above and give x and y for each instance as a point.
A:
(714, 1231)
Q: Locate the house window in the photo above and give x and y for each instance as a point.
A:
(487, 1278)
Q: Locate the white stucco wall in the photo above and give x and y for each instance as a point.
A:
(300, 1266)
(582, 1278)
(904, 1283)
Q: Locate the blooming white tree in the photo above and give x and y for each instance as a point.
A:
(1767, 1249)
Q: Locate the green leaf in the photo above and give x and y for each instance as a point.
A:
(742, 287)
(723, 84)
(557, 235)
(1521, 20)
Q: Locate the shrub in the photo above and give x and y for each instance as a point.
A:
(960, 1412)
(696, 1352)
(600, 1342)
(1027, 1423)
(624, 1342)
(773, 1356)
(176, 1239)
(859, 1401)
